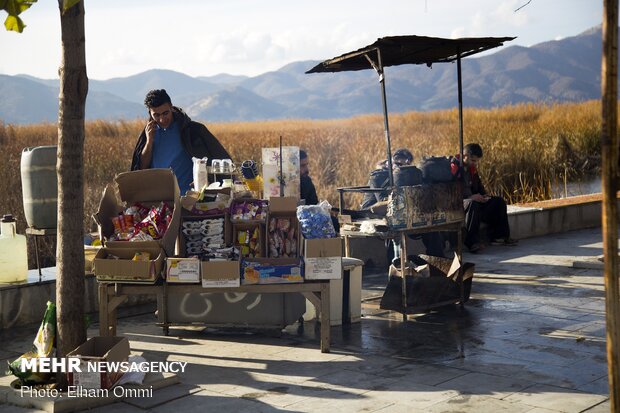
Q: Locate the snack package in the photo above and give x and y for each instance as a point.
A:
(315, 220)
(141, 256)
(138, 219)
(281, 238)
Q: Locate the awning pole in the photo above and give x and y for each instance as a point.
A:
(386, 125)
(609, 151)
(460, 91)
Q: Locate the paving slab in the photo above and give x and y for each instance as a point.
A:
(497, 387)
(531, 339)
(556, 398)
(472, 403)
(162, 396)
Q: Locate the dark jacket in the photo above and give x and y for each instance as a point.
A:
(379, 178)
(196, 139)
(308, 191)
(472, 184)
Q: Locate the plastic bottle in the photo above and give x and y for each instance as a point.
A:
(13, 252)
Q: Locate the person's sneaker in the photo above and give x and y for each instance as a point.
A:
(476, 248)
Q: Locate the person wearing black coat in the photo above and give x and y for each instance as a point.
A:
(170, 139)
(479, 205)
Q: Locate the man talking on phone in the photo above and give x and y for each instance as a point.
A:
(480, 206)
(170, 139)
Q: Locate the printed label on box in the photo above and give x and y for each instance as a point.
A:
(86, 379)
(223, 283)
(324, 268)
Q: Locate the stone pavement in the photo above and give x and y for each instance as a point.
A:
(531, 339)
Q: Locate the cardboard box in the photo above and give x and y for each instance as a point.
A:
(125, 269)
(251, 227)
(434, 280)
(182, 270)
(191, 205)
(282, 207)
(283, 204)
(227, 239)
(271, 230)
(149, 187)
(96, 350)
(221, 274)
(323, 259)
(238, 201)
(272, 271)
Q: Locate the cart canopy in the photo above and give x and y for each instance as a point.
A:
(399, 50)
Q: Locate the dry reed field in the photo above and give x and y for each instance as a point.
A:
(528, 148)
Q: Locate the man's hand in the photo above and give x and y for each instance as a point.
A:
(479, 198)
(147, 152)
(150, 129)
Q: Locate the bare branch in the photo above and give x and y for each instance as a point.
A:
(529, 1)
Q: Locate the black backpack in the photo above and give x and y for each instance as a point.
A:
(436, 169)
(407, 176)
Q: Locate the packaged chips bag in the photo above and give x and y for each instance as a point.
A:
(43, 346)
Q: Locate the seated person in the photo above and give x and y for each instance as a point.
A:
(379, 178)
(479, 206)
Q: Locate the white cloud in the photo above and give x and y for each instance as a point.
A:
(505, 13)
(244, 37)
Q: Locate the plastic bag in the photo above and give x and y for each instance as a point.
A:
(316, 221)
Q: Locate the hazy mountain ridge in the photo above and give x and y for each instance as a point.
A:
(552, 71)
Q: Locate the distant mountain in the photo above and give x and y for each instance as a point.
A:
(234, 104)
(223, 79)
(553, 71)
(29, 101)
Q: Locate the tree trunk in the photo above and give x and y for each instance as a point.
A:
(70, 250)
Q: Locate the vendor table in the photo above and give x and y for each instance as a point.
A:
(111, 295)
(402, 234)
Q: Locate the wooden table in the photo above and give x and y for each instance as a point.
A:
(111, 295)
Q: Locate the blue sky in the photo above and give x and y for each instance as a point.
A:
(208, 37)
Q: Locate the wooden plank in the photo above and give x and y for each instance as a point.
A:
(325, 319)
(609, 150)
(103, 310)
(314, 299)
(115, 302)
(403, 271)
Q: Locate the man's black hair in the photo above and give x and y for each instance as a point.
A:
(473, 149)
(302, 154)
(156, 97)
(403, 154)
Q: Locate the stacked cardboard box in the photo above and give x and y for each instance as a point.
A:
(282, 264)
(148, 187)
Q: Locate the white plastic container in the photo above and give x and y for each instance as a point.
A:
(13, 253)
(201, 176)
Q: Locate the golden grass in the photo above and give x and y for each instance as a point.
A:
(528, 148)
